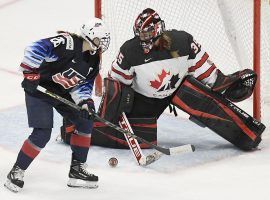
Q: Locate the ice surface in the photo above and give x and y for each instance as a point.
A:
(216, 170)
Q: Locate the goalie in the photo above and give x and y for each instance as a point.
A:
(158, 68)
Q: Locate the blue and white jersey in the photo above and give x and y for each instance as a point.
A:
(63, 67)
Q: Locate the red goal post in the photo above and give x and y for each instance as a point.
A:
(233, 32)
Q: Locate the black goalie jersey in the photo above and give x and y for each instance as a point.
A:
(159, 73)
(64, 69)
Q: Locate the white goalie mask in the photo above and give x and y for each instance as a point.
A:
(95, 32)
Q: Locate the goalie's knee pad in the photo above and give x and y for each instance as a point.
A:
(117, 98)
(218, 114)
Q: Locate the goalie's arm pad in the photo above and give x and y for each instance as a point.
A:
(117, 98)
(218, 114)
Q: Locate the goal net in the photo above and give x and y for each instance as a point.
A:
(223, 27)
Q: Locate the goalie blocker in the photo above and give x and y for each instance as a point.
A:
(211, 109)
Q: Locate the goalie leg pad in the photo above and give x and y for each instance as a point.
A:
(218, 114)
(117, 98)
(67, 130)
(105, 136)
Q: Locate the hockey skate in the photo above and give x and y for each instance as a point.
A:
(15, 179)
(80, 177)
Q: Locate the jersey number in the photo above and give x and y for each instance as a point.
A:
(120, 58)
(57, 41)
(196, 47)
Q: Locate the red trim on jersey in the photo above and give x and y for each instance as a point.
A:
(199, 63)
(207, 73)
(80, 141)
(29, 149)
(128, 77)
(26, 67)
(227, 110)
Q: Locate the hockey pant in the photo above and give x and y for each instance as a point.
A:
(40, 117)
(210, 109)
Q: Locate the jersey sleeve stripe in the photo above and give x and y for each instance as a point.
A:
(127, 77)
(26, 67)
(207, 73)
(199, 63)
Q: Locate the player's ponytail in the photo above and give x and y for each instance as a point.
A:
(164, 42)
(66, 32)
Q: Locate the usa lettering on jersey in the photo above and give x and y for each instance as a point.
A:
(68, 79)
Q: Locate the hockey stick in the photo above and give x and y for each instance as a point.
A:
(132, 142)
(134, 145)
(137, 151)
(167, 151)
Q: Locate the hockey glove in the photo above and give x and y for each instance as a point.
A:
(30, 81)
(88, 107)
(237, 86)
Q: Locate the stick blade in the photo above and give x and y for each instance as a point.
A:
(182, 149)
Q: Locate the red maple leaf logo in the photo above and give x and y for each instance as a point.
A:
(157, 83)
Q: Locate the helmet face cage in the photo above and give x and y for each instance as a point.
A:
(148, 27)
(104, 43)
(96, 34)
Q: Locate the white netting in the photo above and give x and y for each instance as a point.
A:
(223, 27)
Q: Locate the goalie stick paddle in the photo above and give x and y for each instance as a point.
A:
(134, 145)
(136, 149)
(167, 151)
(132, 142)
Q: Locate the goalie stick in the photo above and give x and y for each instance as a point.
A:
(167, 151)
(134, 145)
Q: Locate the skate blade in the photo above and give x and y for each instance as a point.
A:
(78, 183)
(12, 187)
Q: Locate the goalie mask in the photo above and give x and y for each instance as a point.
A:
(148, 27)
(96, 33)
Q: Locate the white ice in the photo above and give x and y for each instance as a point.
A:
(216, 170)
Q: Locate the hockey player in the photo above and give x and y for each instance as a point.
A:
(161, 67)
(67, 65)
